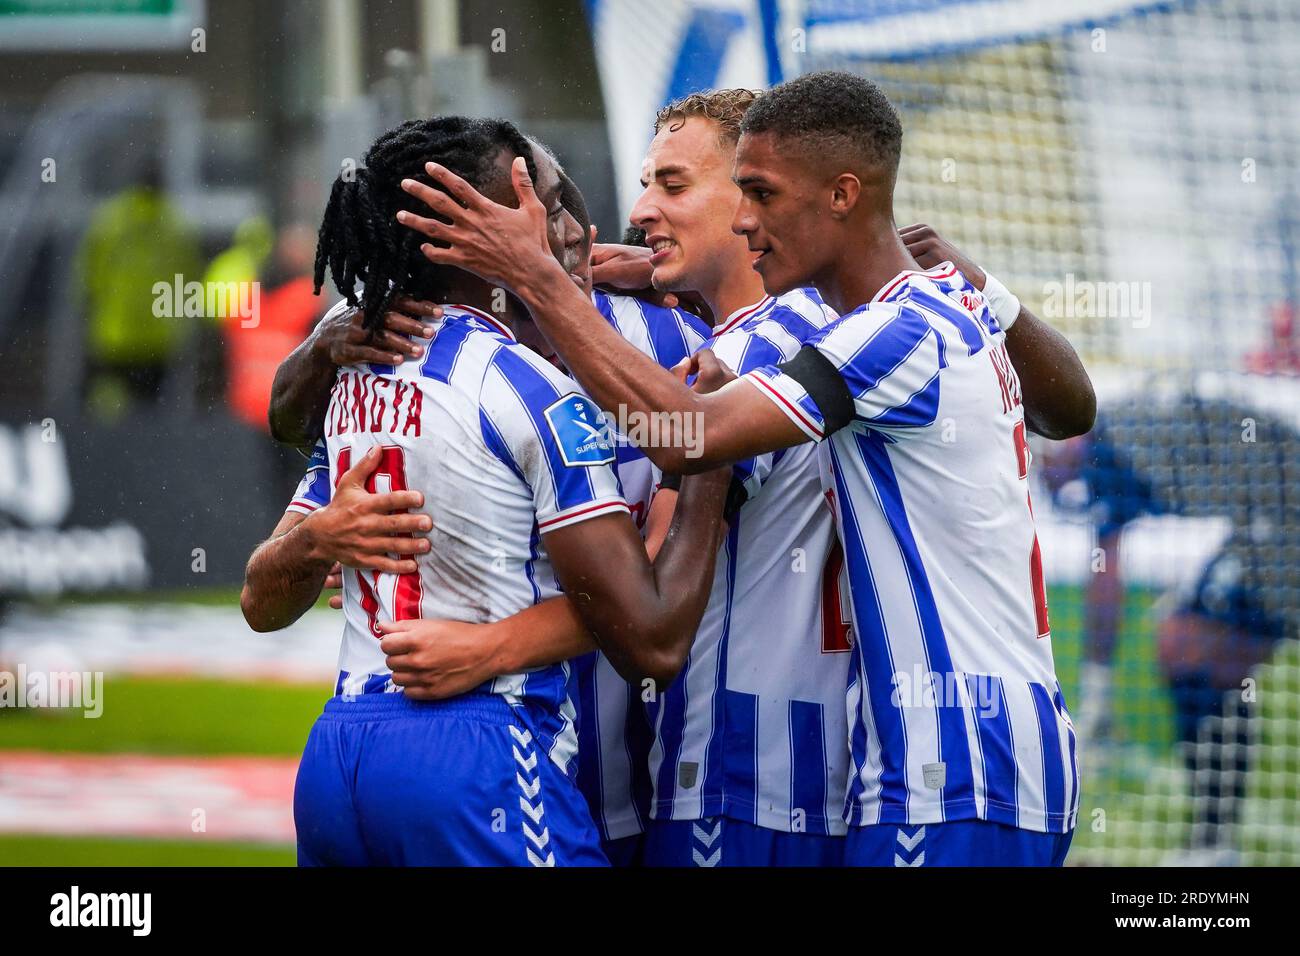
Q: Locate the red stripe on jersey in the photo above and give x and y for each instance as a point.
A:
(615, 505)
(798, 412)
(904, 276)
(741, 317)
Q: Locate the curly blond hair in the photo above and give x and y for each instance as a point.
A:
(726, 108)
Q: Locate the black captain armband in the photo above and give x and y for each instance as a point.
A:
(824, 385)
(736, 494)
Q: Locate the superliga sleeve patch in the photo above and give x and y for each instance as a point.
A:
(580, 431)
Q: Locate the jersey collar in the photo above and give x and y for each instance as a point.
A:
(495, 324)
(740, 315)
(942, 271)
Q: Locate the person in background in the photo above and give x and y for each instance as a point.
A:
(1208, 645)
(1117, 496)
(135, 239)
(1209, 637)
(288, 309)
(1281, 356)
(229, 282)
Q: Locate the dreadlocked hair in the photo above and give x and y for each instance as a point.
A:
(360, 239)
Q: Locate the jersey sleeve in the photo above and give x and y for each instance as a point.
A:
(878, 365)
(552, 436)
(314, 490)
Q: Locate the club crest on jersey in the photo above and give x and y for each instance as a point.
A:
(972, 302)
(580, 431)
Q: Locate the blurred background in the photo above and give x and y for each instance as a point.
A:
(1129, 169)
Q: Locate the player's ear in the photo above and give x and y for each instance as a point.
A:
(845, 190)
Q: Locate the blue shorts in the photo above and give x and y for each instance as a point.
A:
(387, 781)
(960, 843)
(722, 841)
(625, 851)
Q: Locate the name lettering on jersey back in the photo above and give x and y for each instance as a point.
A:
(1008, 380)
(364, 402)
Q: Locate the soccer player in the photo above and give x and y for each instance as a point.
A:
(749, 758)
(614, 736)
(760, 705)
(513, 468)
(763, 671)
(764, 761)
(434, 659)
(962, 749)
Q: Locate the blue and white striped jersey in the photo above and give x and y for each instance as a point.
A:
(954, 707)
(666, 335)
(613, 733)
(753, 728)
(505, 449)
(314, 490)
(613, 730)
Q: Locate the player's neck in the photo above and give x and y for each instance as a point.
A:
(864, 267)
(738, 288)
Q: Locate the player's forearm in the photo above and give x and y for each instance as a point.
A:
(660, 520)
(682, 582)
(283, 579)
(543, 634)
(615, 374)
(1057, 392)
(300, 394)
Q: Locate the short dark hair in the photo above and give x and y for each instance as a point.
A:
(360, 239)
(831, 113)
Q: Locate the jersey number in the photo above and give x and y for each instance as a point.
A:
(1036, 555)
(389, 475)
(837, 628)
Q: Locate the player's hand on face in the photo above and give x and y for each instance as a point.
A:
(627, 269)
(361, 529)
(347, 343)
(334, 582)
(433, 659)
(497, 243)
(929, 249)
(709, 371)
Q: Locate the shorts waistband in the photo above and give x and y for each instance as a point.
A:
(489, 708)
